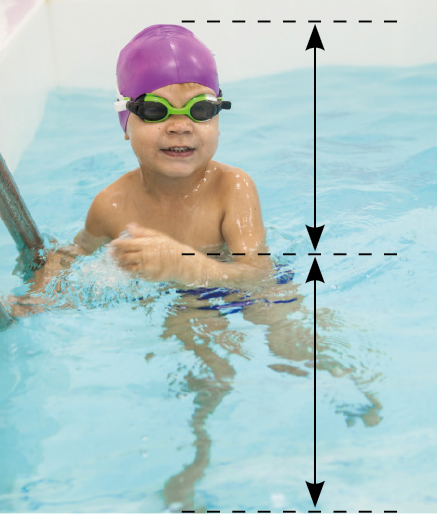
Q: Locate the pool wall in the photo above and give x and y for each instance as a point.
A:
(75, 43)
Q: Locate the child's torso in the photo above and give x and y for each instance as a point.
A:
(194, 221)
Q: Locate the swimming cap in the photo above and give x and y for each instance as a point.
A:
(161, 55)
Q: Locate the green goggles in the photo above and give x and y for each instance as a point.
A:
(153, 109)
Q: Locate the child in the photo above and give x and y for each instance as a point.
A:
(178, 201)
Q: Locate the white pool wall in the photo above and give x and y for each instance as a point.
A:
(75, 43)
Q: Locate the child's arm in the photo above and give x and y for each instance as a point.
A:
(57, 261)
(242, 226)
(85, 243)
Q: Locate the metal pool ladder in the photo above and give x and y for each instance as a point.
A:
(21, 226)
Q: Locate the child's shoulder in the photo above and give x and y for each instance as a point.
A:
(230, 176)
(226, 170)
(117, 192)
(110, 204)
(235, 184)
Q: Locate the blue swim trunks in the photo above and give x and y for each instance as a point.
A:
(206, 293)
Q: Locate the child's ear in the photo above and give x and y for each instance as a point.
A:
(126, 132)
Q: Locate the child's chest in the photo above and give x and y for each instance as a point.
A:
(195, 227)
(197, 224)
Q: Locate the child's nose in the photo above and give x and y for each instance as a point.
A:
(179, 123)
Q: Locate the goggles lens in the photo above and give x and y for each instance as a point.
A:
(152, 111)
(152, 108)
(203, 110)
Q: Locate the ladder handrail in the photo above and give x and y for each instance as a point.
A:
(21, 226)
(17, 217)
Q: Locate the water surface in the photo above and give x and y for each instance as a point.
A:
(112, 405)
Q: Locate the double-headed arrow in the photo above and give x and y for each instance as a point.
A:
(315, 274)
(315, 232)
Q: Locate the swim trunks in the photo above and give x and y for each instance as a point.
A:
(206, 293)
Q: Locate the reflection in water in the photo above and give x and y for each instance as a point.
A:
(210, 392)
(289, 336)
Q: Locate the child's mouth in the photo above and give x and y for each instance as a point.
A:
(182, 152)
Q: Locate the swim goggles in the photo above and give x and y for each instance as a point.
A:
(153, 109)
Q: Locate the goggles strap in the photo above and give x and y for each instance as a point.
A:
(120, 104)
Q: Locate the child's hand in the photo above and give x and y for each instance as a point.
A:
(148, 253)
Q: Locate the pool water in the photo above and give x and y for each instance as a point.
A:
(119, 405)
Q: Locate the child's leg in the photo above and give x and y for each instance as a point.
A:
(290, 334)
(194, 328)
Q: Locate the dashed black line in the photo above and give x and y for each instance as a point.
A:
(289, 511)
(287, 253)
(289, 21)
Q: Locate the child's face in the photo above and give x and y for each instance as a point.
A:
(149, 139)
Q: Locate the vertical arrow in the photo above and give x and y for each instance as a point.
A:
(314, 488)
(315, 232)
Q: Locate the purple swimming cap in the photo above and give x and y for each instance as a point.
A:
(161, 55)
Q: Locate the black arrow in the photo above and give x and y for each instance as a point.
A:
(315, 274)
(315, 232)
